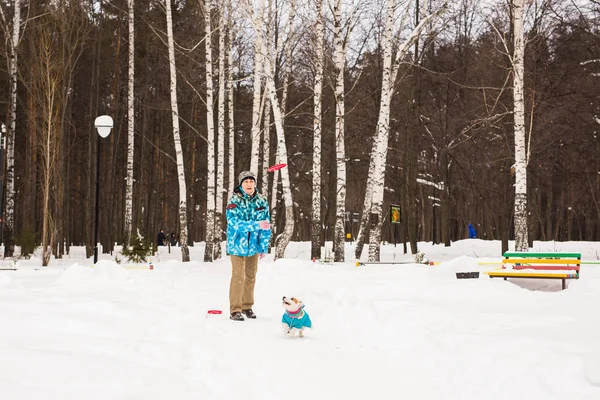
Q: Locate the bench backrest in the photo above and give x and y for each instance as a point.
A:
(541, 260)
(526, 254)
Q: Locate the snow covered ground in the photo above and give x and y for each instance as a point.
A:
(406, 331)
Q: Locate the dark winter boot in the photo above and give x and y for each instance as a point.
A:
(249, 314)
(236, 316)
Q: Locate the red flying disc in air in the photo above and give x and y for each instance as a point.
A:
(214, 312)
(276, 167)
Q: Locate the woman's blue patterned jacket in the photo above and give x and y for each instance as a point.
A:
(244, 236)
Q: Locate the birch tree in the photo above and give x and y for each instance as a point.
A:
(185, 253)
(316, 227)
(383, 127)
(287, 49)
(220, 138)
(340, 62)
(273, 204)
(372, 207)
(229, 89)
(520, 218)
(210, 170)
(284, 238)
(130, 128)
(266, 131)
(13, 46)
(257, 89)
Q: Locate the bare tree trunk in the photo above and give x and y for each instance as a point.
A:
(9, 213)
(209, 254)
(316, 226)
(363, 229)
(31, 157)
(257, 98)
(92, 150)
(130, 129)
(340, 61)
(275, 194)
(50, 86)
(283, 240)
(520, 217)
(220, 140)
(266, 147)
(229, 88)
(266, 131)
(183, 226)
(288, 45)
(381, 142)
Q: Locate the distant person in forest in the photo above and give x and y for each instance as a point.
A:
(472, 233)
(161, 239)
(173, 239)
(248, 236)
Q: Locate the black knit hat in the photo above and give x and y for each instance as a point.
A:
(246, 175)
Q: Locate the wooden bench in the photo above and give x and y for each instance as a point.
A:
(545, 266)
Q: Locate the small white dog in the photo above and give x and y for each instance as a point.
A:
(294, 319)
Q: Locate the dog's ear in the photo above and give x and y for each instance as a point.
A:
(295, 300)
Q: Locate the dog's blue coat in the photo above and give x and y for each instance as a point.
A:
(297, 321)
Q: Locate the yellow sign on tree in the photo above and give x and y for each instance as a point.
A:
(394, 214)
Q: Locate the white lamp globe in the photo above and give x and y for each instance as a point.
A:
(103, 124)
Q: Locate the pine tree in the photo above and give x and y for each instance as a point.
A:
(138, 249)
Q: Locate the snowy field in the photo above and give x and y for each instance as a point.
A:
(405, 331)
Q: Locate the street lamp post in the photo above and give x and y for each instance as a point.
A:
(103, 124)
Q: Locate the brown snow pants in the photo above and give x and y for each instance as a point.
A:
(243, 278)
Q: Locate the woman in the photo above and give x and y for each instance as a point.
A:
(248, 236)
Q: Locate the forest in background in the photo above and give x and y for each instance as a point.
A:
(451, 144)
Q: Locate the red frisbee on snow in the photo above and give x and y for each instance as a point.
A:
(276, 167)
(214, 312)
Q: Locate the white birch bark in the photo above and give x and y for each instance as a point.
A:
(266, 131)
(316, 229)
(210, 181)
(340, 61)
(520, 218)
(130, 128)
(183, 232)
(366, 210)
(274, 195)
(383, 127)
(381, 138)
(220, 139)
(9, 212)
(266, 147)
(288, 230)
(257, 90)
(288, 47)
(229, 89)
